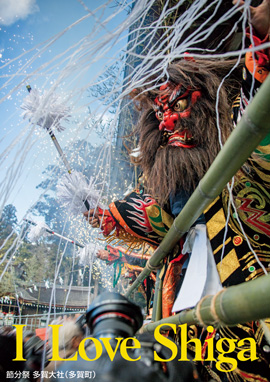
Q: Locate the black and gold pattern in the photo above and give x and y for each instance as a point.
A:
(234, 250)
(240, 239)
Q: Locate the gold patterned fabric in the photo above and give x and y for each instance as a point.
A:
(245, 370)
(241, 248)
(238, 246)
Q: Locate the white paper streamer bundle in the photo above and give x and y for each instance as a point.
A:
(87, 254)
(74, 189)
(37, 230)
(45, 110)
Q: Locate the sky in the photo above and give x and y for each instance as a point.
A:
(60, 47)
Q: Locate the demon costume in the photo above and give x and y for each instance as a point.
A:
(179, 135)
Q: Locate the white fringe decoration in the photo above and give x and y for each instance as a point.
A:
(129, 190)
(74, 189)
(45, 110)
(135, 153)
(38, 230)
(87, 253)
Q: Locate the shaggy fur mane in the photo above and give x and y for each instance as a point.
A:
(167, 168)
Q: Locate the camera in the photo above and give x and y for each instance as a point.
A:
(113, 321)
(113, 315)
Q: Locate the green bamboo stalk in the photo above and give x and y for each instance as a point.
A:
(155, 295)
(237, 304)
(157, 305)
(250, 131)
(159, 301)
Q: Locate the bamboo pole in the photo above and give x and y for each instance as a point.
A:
(159, 301)
(250, 131)
(237, 304)
(155, 312)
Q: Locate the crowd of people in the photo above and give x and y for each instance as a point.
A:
(37, 351)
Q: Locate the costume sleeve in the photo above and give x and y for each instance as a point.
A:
(116, 254)
(136, 219)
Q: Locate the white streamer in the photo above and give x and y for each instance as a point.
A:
(74, 189)
(38, 230)
(87, 253)
(45, 110)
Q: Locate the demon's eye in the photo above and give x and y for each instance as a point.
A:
(181, 105)
(159, 115)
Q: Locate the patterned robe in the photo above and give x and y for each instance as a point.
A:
(239, 244)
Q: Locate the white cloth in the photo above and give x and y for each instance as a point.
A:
(201, 276)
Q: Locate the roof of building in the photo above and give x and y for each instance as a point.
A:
(71, 297)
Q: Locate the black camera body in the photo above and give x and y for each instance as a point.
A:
(113, 316)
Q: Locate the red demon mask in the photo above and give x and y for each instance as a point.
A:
(172, 106)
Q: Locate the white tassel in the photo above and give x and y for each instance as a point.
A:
(45, 110)
(129, 190)
(38, 230)
(87, 254)
(135, 153)
(74, 189)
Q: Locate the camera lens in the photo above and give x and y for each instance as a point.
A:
(113, 315)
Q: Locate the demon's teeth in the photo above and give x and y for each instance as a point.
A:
(172, 136)
(184, 139)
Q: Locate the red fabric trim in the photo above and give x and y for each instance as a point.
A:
(112, 315)
(180, 259)
(103, 212)
(108, 225)
(253, 376)
(204, 347)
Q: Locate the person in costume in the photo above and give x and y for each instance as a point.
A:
(129, 265)
(111, 254)
(180, 136)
